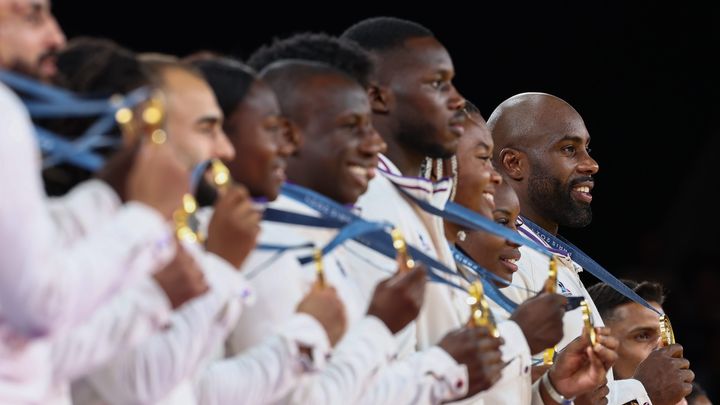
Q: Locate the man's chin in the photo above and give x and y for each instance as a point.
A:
(35, 72)
(46, 74)
(442, 151)
(580, 219)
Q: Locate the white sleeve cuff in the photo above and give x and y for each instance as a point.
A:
(304, 330)
(451, 377)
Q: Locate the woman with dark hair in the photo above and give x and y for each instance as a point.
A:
(253, 124)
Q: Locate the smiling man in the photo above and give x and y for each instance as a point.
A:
(543, 150)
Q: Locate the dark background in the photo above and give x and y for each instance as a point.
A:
(643, 77)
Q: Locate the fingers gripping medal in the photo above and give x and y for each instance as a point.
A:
(401, 247)
(480, 314)
(588, 322)
(550, 288)
(666, 331)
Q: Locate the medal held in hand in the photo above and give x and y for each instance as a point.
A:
(666, 331)
(587, 320)
(183, 217)
(401, 247)
(319, 268)
(480, 314)
(550, 287)
(220, 174)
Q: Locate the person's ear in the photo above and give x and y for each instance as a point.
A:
(514, 164)
(380, 99)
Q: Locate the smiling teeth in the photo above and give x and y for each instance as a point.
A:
(489, 197)
(359, 170)
(513, 261)
(584, 189)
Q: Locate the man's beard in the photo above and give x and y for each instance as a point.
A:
(33, 70)
(551, 199)
(421, 138)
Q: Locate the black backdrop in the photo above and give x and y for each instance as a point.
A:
(642, 76)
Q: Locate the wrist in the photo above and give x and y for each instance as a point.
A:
(549, 383)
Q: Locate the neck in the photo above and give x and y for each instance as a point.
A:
(451, 231)
(545, 223)
(406, 160)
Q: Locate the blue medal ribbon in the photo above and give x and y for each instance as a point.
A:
(465, 217)
(487, 278)
(587, 263)
(44, 101)
(377, 239)
(492, 291)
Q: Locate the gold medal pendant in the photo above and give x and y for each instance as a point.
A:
(220, 174)
(151, 120)
(182, 217)
(551, 283)
(480, 314)
(319, 269)
(550, 288)
(666, 331)
(587, 320)
(401, 247)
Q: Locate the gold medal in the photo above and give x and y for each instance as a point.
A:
(666, 331)
(401, 247)
(220, 174)
(550, 288)
(319, 269)
(587, 319)
(182, 219)
(151, 120)
(480, 314)
(551, 282)
(549, 356)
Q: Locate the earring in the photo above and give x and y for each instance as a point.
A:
(439, 170)
(426, 168)
(461, 235)
(454, 169)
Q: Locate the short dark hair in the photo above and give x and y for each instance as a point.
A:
(288, 79)
(99, 67)
(229, 79)
(379, 34)
(606, 299)
(341, 54)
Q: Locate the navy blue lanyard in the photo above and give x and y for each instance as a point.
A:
(44, 101)
(587, 263)
(294, 218)
(497, 296)
(487, 278)
(378, 240)
(462, 216)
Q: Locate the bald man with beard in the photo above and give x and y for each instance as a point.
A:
(542, 148)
